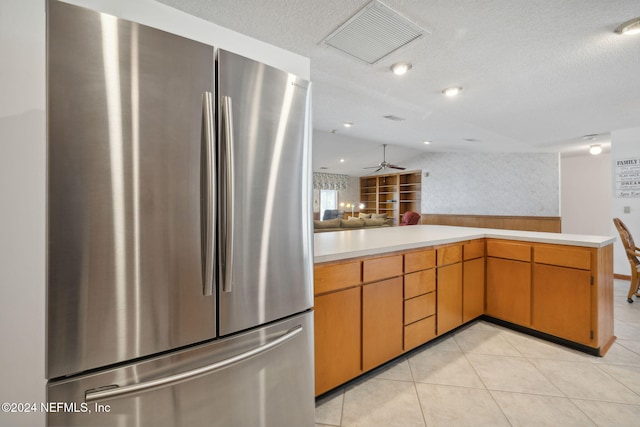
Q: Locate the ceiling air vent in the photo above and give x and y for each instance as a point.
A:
(373, 33)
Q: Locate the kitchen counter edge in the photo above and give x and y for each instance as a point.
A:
(342, 245)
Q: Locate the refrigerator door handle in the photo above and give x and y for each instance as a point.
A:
(228, 199)
(208, 219)
(114, 391)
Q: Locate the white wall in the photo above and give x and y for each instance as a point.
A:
(585, 194)
(22, 216)
(625, 144)
(23, 181)
(489, 183)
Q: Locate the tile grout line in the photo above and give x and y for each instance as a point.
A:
(415, 387)
(483, 383)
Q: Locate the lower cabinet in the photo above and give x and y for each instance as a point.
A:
(449, 311)
(568, 288)
(509, 290)
(337, 338)
(472, 289)
(370, 310)
(382, 322)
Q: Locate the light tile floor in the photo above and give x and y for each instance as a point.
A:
(487, 375)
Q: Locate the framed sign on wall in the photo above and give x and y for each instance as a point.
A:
(627, 177)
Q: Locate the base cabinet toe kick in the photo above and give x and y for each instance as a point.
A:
(372, 309)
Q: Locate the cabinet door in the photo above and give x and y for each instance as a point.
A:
(449, 295)
(337, 338)
(473, 289)
(382, 322)
(562, 302)
(509, 290)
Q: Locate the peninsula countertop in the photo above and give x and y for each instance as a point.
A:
(339, 245)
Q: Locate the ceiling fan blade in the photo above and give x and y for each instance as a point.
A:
(371, 167)
(397, 167)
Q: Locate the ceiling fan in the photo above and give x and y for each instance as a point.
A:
(384, 164)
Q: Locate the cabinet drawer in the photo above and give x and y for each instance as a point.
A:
(449, 254)
(415, 261)
(419, 283)
(509, 250)
(474, 249)
(563, 256)
(336, 276)
(419, 333)
(381, 268)
(419, 307)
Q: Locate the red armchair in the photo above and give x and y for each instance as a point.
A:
(410, 218)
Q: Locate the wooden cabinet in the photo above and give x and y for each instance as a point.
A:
(393, 194)
(449, 288)
(369, 310)
(382, 322)
(419, 297)
(337, 338)
(562, 278)
(473, 280)
(509, 281)
(382, 310)
(449, 297)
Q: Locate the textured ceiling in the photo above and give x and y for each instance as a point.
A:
(537, 74)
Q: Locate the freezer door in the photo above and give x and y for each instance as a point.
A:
(127, 116)
(265, 193)
(262, 378)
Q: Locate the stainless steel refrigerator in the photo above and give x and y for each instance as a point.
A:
(179, 250)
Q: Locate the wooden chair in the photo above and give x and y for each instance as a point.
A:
(633, 252)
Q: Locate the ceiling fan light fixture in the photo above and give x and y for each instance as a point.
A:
(452, 91)
(384, 165)
(595, 149)
(629, 28)
(401, 68)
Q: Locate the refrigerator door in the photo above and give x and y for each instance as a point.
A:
(265, 193)
(127, 116)
(261, 378)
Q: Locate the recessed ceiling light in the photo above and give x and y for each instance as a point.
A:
(629, 28)
(595, 149)
(341, 160)
(400, 68)
(347, 124)
(452, 91)
(426, 142)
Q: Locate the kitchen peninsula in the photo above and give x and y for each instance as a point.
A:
(382, 292)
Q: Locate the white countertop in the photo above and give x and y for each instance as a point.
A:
(338, 245)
